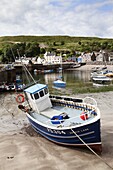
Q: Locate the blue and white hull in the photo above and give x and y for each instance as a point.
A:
(59, 83)
(89, 133)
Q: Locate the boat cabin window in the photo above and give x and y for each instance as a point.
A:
(46, 90)
(41, 93)
(36, 96)
(31, 95)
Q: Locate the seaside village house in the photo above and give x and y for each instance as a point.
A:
(38, 61)
(49, 58)
(25, 60)
(111, 58)
(101, 56)
(84, 58)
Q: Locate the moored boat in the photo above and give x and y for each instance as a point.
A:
(104, 72)
(101, 78)
(59, 83)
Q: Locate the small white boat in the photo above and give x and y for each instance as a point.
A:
(104, 72)
(35, 71)
(59, 83)
(100, 84)
(101, 78)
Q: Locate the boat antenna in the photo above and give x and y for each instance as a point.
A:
(25, 68)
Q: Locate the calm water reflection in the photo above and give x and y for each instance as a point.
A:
(70, 77)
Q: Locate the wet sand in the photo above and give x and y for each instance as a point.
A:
(89, 67)
(22, 149)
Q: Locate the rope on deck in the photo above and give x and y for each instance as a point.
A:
(91, 149)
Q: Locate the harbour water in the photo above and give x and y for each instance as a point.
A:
(75, 80)
(68, 76)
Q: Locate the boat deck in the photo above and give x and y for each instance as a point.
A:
(72, 120)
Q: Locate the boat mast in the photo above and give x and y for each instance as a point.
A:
(26, 68)
(61, 66)
(27, 71)
(104, 58)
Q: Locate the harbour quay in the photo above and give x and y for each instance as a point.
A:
(32, 67)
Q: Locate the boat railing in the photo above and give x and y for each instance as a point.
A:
(91, 100)
(66, 98)
(75, 105)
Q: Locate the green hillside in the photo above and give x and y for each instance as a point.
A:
(40, 39)
(33, 46)
(67, 42)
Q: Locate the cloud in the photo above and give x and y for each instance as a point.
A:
(57, 17)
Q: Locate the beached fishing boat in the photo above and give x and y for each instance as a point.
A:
(63, 120)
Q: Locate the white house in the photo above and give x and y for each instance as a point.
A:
(84, 58)
(102, 56)
(24, 60)
(51, 58)
(38, 61)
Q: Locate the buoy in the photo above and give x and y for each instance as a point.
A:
(20, 98)
(84, 116)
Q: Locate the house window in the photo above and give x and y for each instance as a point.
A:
(41, 93)
(36, 96)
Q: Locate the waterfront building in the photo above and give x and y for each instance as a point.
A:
(51, 58)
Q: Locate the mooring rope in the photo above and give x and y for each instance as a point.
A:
(91, 149)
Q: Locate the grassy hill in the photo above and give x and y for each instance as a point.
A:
(61, 42)
(40, 39)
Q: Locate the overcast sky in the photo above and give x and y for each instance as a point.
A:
(57, 17)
